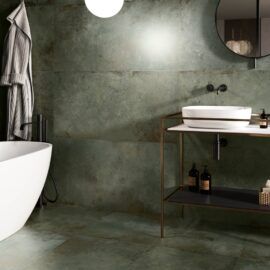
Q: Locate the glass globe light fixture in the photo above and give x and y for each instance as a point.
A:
(104, 8)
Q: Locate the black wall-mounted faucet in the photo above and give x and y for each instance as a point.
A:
(221, 88)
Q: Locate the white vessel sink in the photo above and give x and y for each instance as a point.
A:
(220, 112)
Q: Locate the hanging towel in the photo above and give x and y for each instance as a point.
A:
(17, 75)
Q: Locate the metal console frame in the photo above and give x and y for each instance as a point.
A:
(163, 130)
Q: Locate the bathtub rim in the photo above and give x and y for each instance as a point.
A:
(48, 146)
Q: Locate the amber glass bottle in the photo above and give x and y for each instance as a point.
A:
(206, 182)
(193, 179)
(263, 119)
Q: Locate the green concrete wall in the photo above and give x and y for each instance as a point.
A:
(104, 85)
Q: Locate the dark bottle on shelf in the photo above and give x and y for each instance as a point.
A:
(263, 119)
(206, 182)
(193, 179)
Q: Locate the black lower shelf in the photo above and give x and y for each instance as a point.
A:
(221, 197)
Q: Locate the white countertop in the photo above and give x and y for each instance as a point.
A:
(253, 130)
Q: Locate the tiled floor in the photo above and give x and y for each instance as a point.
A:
(65, 238)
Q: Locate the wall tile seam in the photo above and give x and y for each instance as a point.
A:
(56, 137)
(203, 71)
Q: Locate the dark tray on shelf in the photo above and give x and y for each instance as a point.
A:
(222, 197)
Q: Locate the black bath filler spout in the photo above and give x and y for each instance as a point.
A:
(41, 133)
(42, 125)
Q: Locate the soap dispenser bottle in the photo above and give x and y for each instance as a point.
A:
(263, 119)
(206, 182)
(193, 179)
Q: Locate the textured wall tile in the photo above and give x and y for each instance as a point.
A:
(76, 45)
(123, 176)
(114, 106)
(45, 83)
(41, 19)
(175, 35)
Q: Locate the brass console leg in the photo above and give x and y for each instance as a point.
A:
(181, 166)
(181, 159)
(162, 133)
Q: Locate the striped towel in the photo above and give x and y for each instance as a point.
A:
(17, 75)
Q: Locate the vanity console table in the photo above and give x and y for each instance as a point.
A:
(221, 197)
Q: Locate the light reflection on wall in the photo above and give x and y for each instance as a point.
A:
(158, 42)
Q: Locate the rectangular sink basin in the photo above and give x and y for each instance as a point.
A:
(219, 112)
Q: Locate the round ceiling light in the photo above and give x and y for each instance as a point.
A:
(104, 8)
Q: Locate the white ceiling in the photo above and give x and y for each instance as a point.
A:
(242, 9)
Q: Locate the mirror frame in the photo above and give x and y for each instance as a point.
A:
(224, 44)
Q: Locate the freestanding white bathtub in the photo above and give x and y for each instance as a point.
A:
(23, 170)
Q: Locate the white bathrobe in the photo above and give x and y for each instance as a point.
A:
(17, 75)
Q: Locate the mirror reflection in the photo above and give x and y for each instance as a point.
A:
(244, 26)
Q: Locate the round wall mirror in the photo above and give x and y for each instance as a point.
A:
(244, 26)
